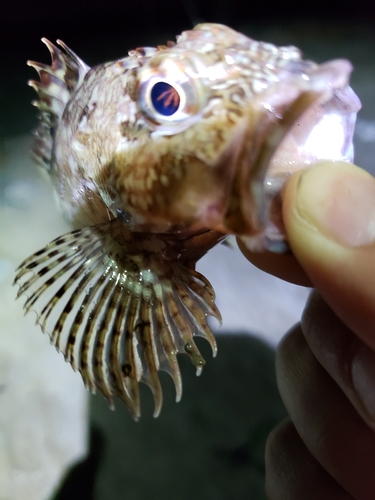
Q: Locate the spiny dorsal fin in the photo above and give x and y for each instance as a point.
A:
(57, 83)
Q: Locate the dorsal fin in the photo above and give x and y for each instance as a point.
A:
(57, 83)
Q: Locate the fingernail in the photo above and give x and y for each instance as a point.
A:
(338, 199)
(363, 376)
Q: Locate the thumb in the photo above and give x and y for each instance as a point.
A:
(329, 215)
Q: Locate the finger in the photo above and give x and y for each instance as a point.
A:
(344, 356)
(285, 266)
(329, 215)
(328, 424)
(293, 473)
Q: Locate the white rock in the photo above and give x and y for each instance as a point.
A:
(43, 404)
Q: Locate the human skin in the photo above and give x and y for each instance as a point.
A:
(325, 365)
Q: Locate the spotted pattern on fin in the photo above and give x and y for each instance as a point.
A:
(117, 310)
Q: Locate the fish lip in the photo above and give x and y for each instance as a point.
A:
(246, 210)
(276, 111)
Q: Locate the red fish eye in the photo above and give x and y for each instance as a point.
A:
(165, 98)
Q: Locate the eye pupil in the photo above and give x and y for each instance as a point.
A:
(165, 98)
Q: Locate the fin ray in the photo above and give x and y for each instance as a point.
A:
(117, 310)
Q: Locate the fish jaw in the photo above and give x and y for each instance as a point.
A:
(299, 122)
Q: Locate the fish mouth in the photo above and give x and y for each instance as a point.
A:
(275, 139)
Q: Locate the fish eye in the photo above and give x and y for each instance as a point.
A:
(170, 94)
(165, 98)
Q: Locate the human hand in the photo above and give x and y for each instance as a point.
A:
(326, 365)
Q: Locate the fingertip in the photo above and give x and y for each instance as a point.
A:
(283, 266)
(341, 267)
(334, 199)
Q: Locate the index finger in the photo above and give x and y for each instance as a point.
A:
(284, 266)
(329, 215)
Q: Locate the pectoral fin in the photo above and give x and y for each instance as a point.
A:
(120, 308)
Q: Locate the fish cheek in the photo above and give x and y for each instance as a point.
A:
(188, 190)
(172, 190)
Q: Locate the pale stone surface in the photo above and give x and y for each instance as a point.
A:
(42, 401)
(43, 404)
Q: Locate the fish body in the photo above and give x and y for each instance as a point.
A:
(155, 158)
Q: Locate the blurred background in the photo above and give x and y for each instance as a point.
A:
(55, 440)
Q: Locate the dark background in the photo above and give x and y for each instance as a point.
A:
(102, 30)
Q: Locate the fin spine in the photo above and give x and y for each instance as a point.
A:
(57, 83)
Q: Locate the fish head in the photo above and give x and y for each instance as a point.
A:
(213, 126)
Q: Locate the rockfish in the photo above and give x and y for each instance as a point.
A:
(156, 158)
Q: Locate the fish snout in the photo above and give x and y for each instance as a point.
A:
(289, 127)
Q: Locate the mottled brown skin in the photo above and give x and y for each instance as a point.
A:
(243, 104)
(185, 177)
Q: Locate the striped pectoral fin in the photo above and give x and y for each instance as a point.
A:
(117, 312)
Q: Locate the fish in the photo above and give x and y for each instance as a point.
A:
(155, 158)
